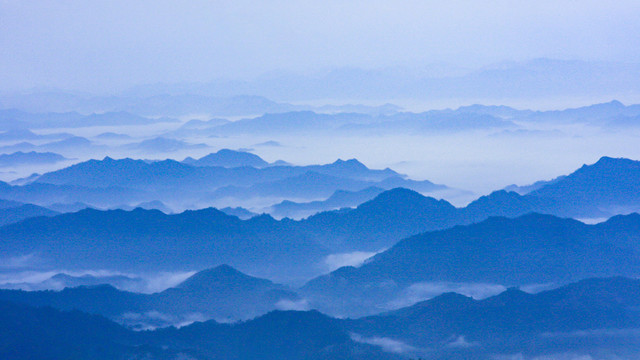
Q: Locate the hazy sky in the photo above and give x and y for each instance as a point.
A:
(115, 44)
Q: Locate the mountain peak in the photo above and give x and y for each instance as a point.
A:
(400, 193)
(451, 298)
(224, 269)
(602, 188)
(229, 152)
(613, 104)
(402, 198)
(448, 300)
(398, 196)
(351, 163)
(496, 198)
(220, 276)
(607, 165)
(607, 160)
(228, 158)
(618, 220)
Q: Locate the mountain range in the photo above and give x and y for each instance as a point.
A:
(277, 249)
(48, 194)
(72, 145)
(338, 200)
(605, 188)
(130, 229)
(591, 318)
(24, 135)
(297, 122)
(229, 159)
(182, 185)
(260, 245)
(159, 145)
(220, 293)
(374, 225)
(17, 119)
(532, 249)
(160, 242)
(531, 79)
(31, 158)
(611, 185)
(16, 213)
(608, 187)
(209, 237)
(62, 280)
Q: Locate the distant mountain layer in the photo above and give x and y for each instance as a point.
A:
(608, 187)
(66, 110)
(71, 144)
(595, 317)
(64, 195)
(17, 119)
(167, 173)
(239, 212)
(149, 205)
(6, 204)
(31, 158)
(21, 212)
(62, 280)
(168, 104)
(504, 120)
(611, 115)
(523, 190)
(24, 134)
(305, 121)
(339, 199)
(533, 79)
(163, 145)
(221, 293)
(180, 185)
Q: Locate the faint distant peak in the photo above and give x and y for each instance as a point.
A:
(112, 135)
(611, 104)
